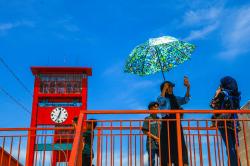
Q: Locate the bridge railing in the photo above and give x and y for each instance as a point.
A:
(121, 141)
(51, 145)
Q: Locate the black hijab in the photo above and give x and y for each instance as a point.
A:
(173, 102)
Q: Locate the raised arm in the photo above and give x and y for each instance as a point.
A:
(163, 92)
(187, 85)
(185, 99)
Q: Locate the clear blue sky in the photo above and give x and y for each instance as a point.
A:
(101, 34)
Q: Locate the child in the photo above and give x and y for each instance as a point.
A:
(88, 136)
(152, 133)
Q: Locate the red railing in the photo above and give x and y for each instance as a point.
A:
(119, 140)
(76, 154)
(52, 144)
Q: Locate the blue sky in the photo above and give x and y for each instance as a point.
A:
(101, 34)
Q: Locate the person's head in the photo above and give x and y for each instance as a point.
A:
(228, 87)
(169, 87)
(91, 124)
(75, 120)
(229, 83)
(153, 106)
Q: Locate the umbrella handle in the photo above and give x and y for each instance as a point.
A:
(162, 72)
(163, 75)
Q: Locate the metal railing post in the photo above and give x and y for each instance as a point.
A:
(99, 147)
(75, 156)
(179, 140)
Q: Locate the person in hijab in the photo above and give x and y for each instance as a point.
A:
(168, 101)
(227, 97)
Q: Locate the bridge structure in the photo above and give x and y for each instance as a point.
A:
(122, 142)
(54, 138)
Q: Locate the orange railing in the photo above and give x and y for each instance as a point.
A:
(119, 140)
(76, 154)
(122, 142)
(51, 144)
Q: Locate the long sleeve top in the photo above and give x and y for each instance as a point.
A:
(164, 103)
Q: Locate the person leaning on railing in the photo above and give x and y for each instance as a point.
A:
(168, 101)
(150, 128)
(227, 97)
(88, 139)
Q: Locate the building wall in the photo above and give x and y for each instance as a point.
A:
(245, 145)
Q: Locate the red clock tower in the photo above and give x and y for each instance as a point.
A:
(59, 95)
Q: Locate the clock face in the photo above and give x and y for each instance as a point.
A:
(59, 115)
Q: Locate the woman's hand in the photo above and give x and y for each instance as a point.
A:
(217, 92)
(186, 82)
(165, 87)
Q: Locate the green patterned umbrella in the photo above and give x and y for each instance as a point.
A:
(158, 54)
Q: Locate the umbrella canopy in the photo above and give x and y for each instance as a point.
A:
(158, 54)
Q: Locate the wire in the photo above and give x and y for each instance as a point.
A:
(15, 76)
(15, 100)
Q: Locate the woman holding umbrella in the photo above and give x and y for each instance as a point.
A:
(161, 55)
(168, 101)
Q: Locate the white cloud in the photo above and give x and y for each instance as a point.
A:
(202, 21)
(201, 16)
(201, 33)
(66, 29)
(233, 24)
(68, 25)
(236, 34)
(4, 27)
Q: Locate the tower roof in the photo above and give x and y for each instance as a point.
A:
(61, 70)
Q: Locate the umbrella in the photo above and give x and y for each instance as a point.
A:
(158, 54)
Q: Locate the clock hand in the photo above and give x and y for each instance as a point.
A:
(59, 115)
